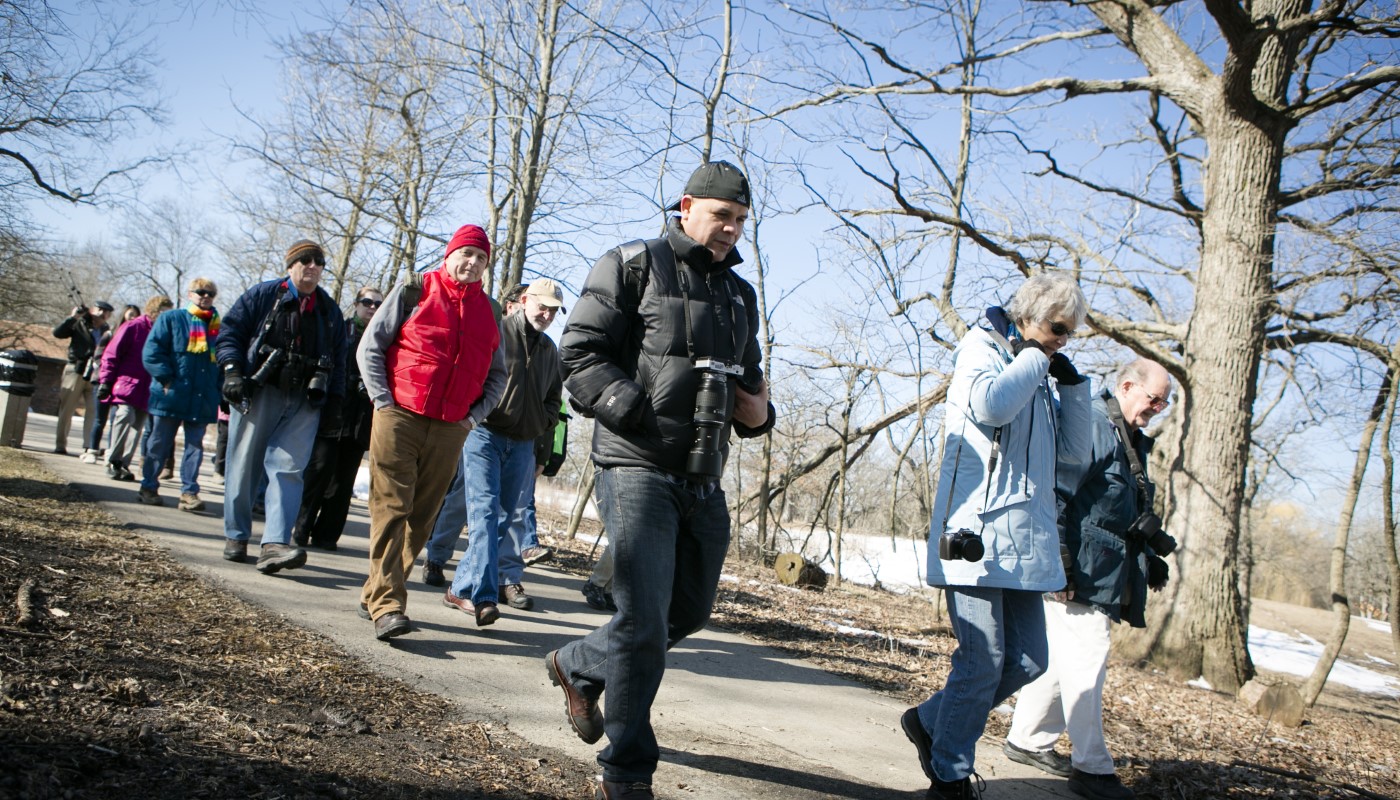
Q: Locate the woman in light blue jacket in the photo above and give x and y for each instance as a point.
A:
(1004, 429)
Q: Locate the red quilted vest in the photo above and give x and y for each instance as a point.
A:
(443, 352)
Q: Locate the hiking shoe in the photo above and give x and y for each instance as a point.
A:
(536, 554)
(88, 457)
(364, 612)
(1098, 787)
(621, 790)
(969, 788)
(595, 597)
(123, 474)
(390, 625)
(923, 743)
(190, 502)
(584, 716)
(274, 557)
(235, 550)
(516, 597)
(432, 574)
(1047, 761)
(149, 497)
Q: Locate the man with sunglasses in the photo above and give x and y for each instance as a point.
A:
(179, 355)
(281, 352)
(341, 442)
(1110, 568)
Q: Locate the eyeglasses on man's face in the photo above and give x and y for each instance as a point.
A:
(317, 260)
(1157, 403)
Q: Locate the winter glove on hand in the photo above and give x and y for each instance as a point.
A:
(333, 416)
(1157, 572)
(1063, 371)
(1017, 345)
(104, 392)
(234, 390)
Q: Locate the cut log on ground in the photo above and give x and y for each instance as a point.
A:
(794, 570)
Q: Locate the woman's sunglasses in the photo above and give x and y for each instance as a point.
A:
(1061, 329)
(205, 293)
(370, 303)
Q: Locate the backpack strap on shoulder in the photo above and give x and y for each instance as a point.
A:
(412, 293)
(637, 262)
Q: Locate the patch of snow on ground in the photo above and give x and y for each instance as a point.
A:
(1377, 625)
(1296, 655)
(1200, 683)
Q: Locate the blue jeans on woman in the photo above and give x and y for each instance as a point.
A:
(499, 476)
(1001, 647)
(668, 537)
(161, 445)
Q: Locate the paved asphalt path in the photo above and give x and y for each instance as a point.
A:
(736, 720)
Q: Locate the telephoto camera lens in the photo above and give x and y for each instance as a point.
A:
(711, 405)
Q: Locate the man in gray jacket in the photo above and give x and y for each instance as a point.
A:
(662, 351)
(498, 458)
(1115, 544)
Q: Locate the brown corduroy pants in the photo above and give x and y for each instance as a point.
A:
(411, 463)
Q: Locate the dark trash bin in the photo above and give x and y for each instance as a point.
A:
(19, 370)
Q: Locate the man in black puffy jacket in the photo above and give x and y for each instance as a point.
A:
(662, 350)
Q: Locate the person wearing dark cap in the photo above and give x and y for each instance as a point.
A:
(662, 350)
(431, 364)
(82, 329)
(281, 353)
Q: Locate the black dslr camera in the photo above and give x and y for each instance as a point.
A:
(961, 544)
(273, 359)
(320, 381)
(1148, 528)
(711, 411)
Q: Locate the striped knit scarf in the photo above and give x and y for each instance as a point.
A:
(203, 328)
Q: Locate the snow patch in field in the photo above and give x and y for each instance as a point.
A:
(1296, 655)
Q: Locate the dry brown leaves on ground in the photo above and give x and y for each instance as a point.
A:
(136, 679)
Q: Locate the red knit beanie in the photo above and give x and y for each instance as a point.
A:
(469, 236)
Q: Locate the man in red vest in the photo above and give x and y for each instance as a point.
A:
(434, 371)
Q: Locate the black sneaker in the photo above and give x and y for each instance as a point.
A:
(923, 743)
(235, 550)
(969, 788)
(1098, 787)
(432, 574)
(624, 790)
(1047, 761)
(595, 597)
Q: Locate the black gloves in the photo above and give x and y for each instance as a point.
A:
(1063, 371)
(1017, 345)
(234, 389)
(1157, 572)
(104, 391)
(333, 416)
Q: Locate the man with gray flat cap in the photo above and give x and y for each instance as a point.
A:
(662, 350)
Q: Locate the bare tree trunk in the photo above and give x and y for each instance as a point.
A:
(1336, 576)
(581, 495)
(1392, 558)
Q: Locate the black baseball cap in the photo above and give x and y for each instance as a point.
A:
(104, 305)
(718, 179)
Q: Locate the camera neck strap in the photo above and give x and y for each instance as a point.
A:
(683, 280)
(1115, 413)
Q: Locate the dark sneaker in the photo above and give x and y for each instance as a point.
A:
(969, 788)
(584, 716)
(390, 625)
(536, 554)
(620, 790)
(1098, 787)
(275, 557)
(1048, 761)
(327, 545)
(516, 597)
(123, 474)
(595, 597)
(914, 730)
(235, 550)
(432, 574)
(149, 497)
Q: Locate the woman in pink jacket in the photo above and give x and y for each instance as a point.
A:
(124, 384)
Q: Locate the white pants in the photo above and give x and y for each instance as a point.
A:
(1069, 696)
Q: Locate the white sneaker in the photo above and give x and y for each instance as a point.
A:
(88, 457)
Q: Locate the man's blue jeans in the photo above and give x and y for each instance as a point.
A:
(274, 439)
(162, 443)
(499, 475)
(668, 537)
(451, 519)
(1001, 647)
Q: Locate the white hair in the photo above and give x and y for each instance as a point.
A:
(1046, 296)
(1138, 371)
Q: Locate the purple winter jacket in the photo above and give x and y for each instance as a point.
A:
(122, 366)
